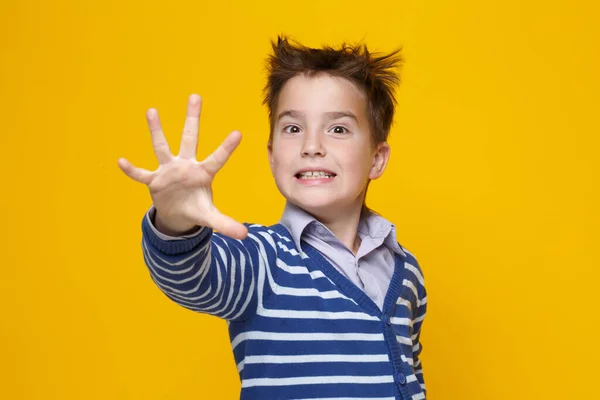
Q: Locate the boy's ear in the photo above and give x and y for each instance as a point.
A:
(270, 151)
(380, 160)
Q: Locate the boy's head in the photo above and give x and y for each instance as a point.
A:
(330, 113)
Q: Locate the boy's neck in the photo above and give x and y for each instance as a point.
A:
(344, 225)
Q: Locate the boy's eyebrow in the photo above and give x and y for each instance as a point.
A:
(290, 113)
(330, 114)
(341, 114)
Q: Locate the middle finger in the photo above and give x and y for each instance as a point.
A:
(189, 138)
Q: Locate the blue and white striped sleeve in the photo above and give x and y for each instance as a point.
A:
(418, 317)
(205, 272)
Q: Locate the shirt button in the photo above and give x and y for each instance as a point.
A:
(401, 378)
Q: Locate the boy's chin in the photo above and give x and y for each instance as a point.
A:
(318, 207)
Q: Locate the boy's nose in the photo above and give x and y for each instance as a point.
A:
(312, 145)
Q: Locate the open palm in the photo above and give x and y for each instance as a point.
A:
(181, 186)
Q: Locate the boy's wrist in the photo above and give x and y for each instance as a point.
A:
(168, 230)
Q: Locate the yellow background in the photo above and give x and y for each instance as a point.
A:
(493, 185)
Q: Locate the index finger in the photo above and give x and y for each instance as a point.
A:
(217, 159)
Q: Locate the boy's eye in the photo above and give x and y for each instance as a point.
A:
(291, 129)
(339, 129)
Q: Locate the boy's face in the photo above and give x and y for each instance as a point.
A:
(322, 155)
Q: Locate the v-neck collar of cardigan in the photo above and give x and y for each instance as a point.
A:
(376, 229)
(349, 288)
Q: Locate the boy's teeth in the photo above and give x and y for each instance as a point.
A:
(315, 174)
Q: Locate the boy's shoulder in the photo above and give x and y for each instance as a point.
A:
(272, 234)
(411, 263)
(276, 230)
(410, 257)
(271, 241)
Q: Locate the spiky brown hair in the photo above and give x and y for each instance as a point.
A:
(376, 75)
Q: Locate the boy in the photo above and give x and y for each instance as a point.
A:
(326, 304)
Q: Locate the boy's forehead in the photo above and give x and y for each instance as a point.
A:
(322, 94)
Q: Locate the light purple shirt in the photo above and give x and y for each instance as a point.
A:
(370, 269)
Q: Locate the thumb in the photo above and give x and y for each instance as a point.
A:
(227, 225)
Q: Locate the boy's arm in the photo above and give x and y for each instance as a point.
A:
(419, 312)
(204, 272)
(416, 339)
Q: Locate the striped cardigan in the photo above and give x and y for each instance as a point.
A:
(299, 329)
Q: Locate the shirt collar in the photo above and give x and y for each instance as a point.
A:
(296, 220)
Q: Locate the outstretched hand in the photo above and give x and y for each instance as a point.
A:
(181, 186)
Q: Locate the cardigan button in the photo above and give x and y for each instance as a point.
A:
(401, 378)
(387, 320)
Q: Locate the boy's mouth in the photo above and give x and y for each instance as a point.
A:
(320, 174)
